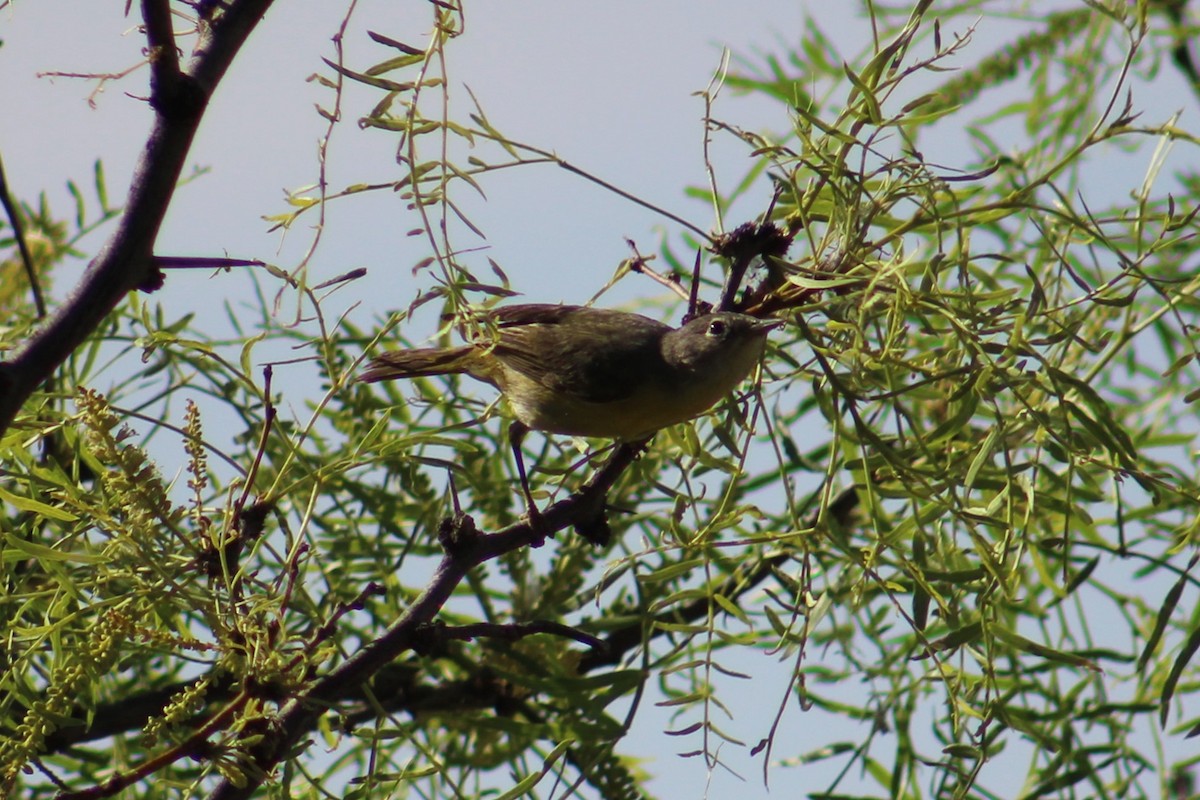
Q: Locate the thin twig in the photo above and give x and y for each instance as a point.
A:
(160, 38)
(14, 219)
(641, 266)
(514, 631)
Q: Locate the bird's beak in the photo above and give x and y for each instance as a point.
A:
(765, 326)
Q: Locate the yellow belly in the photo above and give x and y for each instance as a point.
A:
(629, 419)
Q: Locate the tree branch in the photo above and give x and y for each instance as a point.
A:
(511, 632)
(465, 548)
(124, 264)
(743, 580)
(396, 685)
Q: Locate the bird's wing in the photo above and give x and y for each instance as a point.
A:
(532, 314)
(595, 355)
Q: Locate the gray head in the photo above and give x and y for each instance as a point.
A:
(722, 342)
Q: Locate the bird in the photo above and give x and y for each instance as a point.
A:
(593, 372)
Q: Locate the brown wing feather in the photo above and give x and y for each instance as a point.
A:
(588, 353)
(533, 314)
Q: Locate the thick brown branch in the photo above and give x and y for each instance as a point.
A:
(124, 262)
(466, 548)
(397, 686)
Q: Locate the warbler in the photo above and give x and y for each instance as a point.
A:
(583, 371)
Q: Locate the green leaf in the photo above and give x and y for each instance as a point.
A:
(48, 554)
(1170, 602)
(731, 608)
(1025, 645)
(36, 507)
(1181, 661)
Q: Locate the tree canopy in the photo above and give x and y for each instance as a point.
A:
(947, 531)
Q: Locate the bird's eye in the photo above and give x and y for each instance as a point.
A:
(717, 327)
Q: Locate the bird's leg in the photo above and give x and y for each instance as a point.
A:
(516, 433)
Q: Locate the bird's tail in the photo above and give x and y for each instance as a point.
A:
(419, 363)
